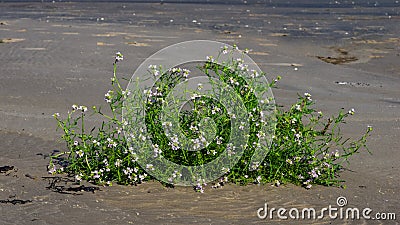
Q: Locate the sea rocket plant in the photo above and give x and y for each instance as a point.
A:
(306, 149)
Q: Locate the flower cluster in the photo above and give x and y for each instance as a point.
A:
(307, 148)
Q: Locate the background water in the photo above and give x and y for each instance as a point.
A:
(276, 3)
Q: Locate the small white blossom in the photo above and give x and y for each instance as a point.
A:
(225, 170)
(78, 177)
(53, 170)
(165, 124)
(308, 96)
(118, 162)
(119, 57)
(150, 167)
(175, 143)
(241, 127)
(95, 142)
(80, 153)
(83, 108)
(289, 161)
(74, 107)
(225, 50)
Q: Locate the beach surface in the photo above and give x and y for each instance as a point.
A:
(53, 55)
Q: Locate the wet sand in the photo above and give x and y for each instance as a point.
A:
(54, 55)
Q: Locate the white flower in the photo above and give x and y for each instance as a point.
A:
(74, 107)
(243, 67)
(78, 177)
(118, 162)
(219, 140)
(80, 153)
(210, 58)
(119, 130)
(193, 128)
(254, 74)
(199, 86)
(53, 170)
(142, 137)
(194, 96)
(308, 96)
(260, 134)
(196, 143)
(165, 124)
(56, 115)
(108, 96)
(255, 165)
(175, 143)
(150, 166)
(351, 111)
(266, 101)
(225, 170)
(96, 174)
(127, 171)
(241, 127)
(215, 110)
(76, 143)
(225, 50)
(95, 142)
(119, 57)
(157, 150)
(230, 149)
(154, 70)
(336, 153)
(83, 108)
(232, 115)
(185, 72)
(156, 73)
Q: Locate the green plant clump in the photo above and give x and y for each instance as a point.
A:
(307, 148)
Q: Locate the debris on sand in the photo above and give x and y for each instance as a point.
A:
(53, 185)
(4, 169)
(338, 60)
(15, 201)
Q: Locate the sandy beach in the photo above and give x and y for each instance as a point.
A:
(57, 54)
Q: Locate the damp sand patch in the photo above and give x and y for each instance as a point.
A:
(342, 56)
(11, 40)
